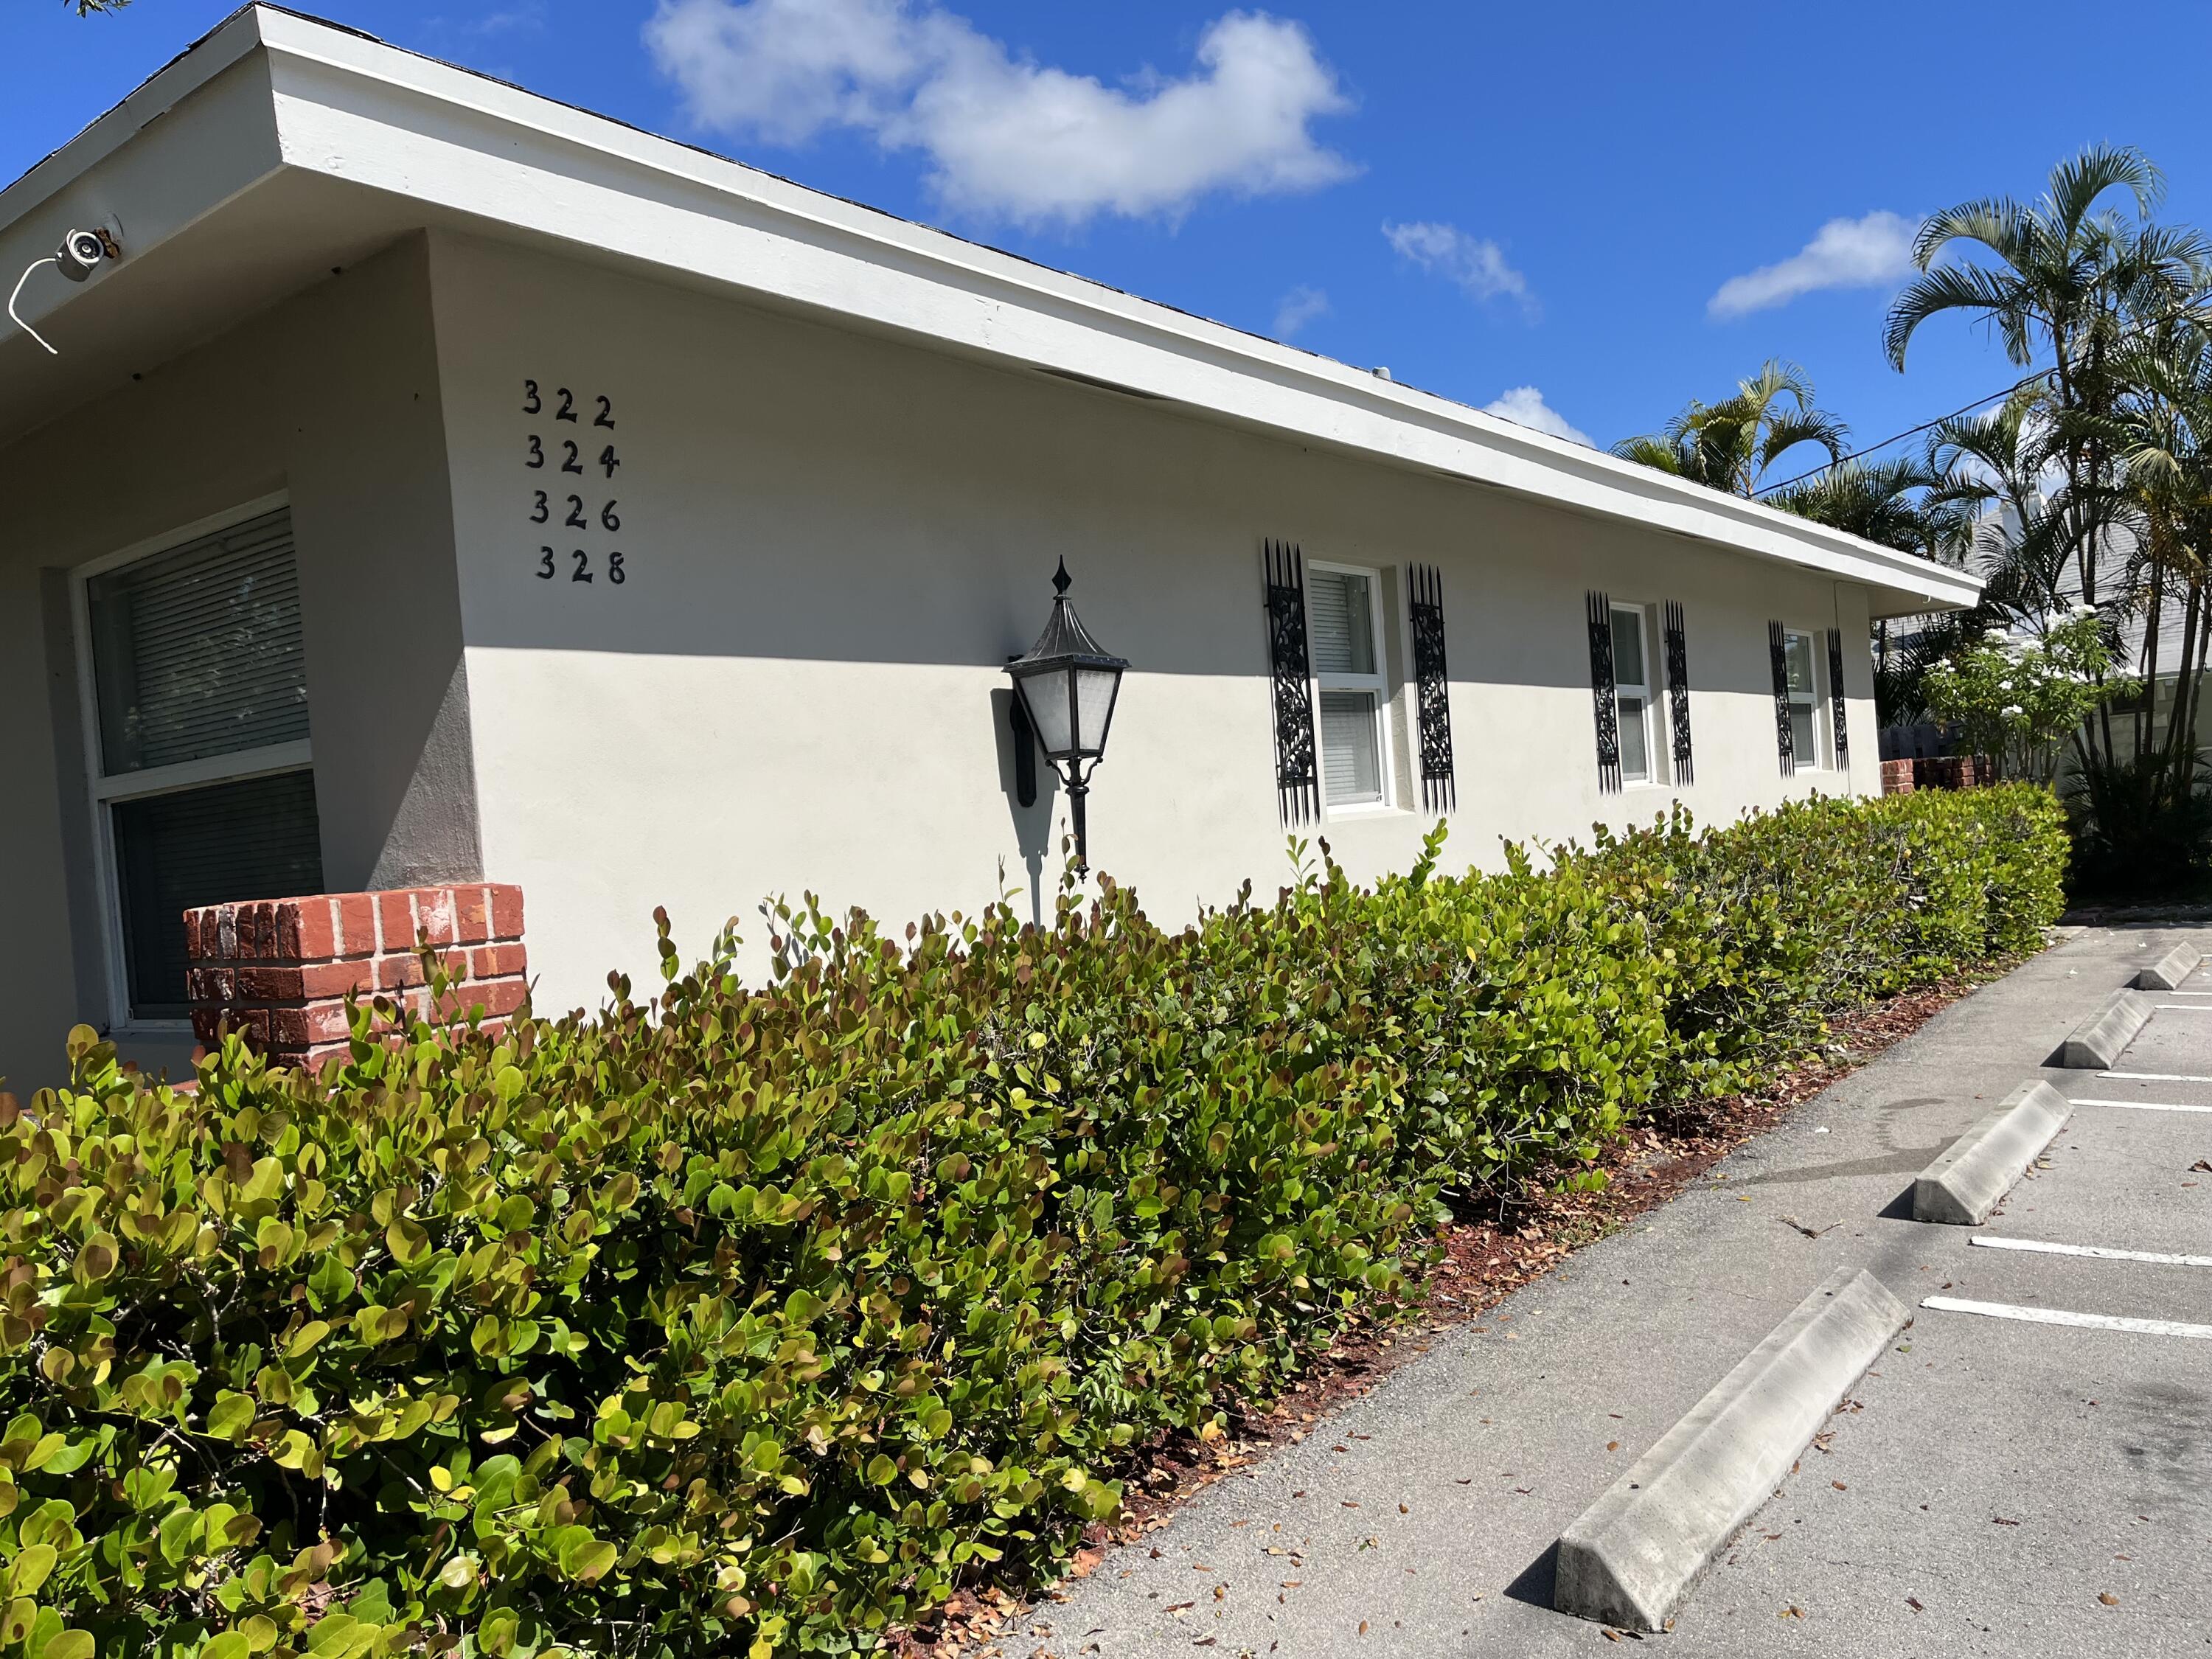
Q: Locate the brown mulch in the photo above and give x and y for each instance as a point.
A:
(1481, 1264)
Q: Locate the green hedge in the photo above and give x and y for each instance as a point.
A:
(750, 1320)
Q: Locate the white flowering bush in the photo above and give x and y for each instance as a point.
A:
(2020, 693)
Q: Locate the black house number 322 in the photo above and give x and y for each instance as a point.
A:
(552, 453)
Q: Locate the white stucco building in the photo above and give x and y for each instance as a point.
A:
(293, 595)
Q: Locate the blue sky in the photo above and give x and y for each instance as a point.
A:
(1620, 206)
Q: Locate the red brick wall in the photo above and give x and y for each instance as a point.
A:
(1896, 777)
(279, 970)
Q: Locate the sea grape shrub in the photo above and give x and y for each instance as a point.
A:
(755, 1318)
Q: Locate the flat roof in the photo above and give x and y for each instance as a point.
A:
(280, 144)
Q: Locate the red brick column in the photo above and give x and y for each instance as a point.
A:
(1896, 777)
(279, 970)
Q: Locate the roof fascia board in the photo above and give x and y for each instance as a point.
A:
(153, 98)
(219, 138)
(353, 108)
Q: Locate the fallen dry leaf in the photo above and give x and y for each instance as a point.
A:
(1612, 1445)
(1914, 1603)
(1839, 1485)
(2202, 1166)
(2108, 1598)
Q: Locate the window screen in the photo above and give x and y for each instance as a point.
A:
(1340, 608)
(1348, 681)
(256, 838)
(196, 650)
(1797, 660)
(1351, 757)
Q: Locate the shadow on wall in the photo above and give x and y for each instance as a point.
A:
(1033, 824)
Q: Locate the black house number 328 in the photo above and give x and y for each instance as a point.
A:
(552, 453)
(580, 567)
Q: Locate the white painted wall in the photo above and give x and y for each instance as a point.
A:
(832, 543)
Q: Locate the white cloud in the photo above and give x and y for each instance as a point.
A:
(1524, 405)
(1475, 262)
(1868, 252)
(1007, 137)
(530, 15)
(1298, 307)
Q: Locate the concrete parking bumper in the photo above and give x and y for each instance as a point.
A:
(1631, 1557)
(1964, 1184)
(2097, 1041)
(2170, 970)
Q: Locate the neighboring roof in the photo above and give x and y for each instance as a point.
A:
(280, 145)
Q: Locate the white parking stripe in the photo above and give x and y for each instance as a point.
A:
(2183, 1008)
(2100, 1252)
(2157, 1077)
(2067, 1316)
(2147, 1105)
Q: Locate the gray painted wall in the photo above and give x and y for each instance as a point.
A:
(334, 397)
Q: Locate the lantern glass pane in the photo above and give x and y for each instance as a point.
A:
(1046, 693)
(1094, 705)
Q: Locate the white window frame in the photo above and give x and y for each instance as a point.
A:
(1651, 777)
(1378, 683)
(104, 791)
(1810, 699)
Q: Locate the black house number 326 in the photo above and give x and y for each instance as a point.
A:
(552, 453)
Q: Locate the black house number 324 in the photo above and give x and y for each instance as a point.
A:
(555, 456)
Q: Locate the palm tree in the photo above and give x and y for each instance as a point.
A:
(1730, 444)
(1900, 504)
(1993, 473)
(2070, 282)
(1892, 502)
(2163, 437)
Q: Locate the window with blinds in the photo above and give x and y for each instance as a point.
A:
(1803, 696)
(1351, 698)
(196, 650)
(202, 771)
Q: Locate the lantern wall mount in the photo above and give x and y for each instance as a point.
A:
(1067, 685)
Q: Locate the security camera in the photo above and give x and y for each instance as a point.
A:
(80, 252)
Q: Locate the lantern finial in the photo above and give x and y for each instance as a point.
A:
(1062, 581)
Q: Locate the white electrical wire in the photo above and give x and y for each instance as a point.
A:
(49, 260)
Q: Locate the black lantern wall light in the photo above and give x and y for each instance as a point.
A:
(1067, 685)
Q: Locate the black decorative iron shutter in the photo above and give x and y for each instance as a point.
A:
(1605, 697)
(1678, 692)
(1836, 698)
(1777, 647)
(1431, 688)
(1297, 777)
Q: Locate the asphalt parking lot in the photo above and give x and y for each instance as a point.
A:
(2027, 1470)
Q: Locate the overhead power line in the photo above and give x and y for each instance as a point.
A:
(1910, 431)
(2187, 309)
